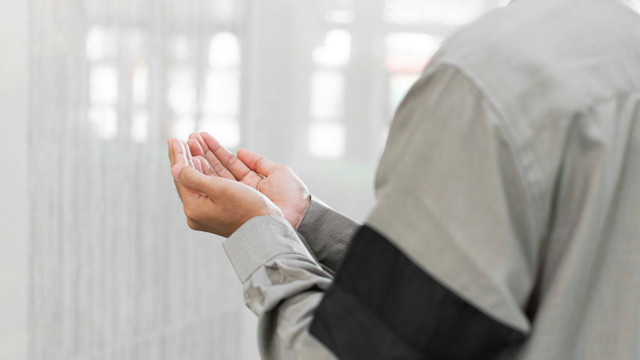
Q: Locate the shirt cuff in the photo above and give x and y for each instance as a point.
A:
(317, 217)
(327, 233)
(258, 240)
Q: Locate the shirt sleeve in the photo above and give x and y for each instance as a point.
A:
(442, 269)
(326, 233)
(282, 285)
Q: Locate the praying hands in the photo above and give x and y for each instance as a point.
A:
(220, 191)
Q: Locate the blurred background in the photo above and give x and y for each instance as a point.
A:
(97, 261)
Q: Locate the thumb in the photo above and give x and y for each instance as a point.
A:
(256, 162)
(193, 179)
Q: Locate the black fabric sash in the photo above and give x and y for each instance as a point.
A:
(382, 306)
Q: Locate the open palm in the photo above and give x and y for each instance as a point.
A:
(276, 181)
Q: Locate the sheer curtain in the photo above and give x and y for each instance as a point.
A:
(114, 271)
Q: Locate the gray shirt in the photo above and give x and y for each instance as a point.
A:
(511, 176)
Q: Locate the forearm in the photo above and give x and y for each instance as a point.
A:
(326, 233)
(285, 311)
(282, 285)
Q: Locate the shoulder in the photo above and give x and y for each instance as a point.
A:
(536, 55)
(540, 64)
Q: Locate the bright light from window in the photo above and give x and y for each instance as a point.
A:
(327, 140)
(327, 95)
(224, 51)
(104, 85)
(433, 12)
(410, 52)
(336, 50)
(104, 121)
(101, 43)
(227, 131)
(140, 83)
(222, 93)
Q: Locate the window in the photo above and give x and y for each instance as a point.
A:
(102, 51)
(327, 131)
(415, 31)
(432, 12)
(406, 56)
(222, 90)
(204, 86)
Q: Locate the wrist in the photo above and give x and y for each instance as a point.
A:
(266, 211)
(300, 211)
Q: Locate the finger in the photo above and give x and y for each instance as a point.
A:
(170, 150)
(186, 152)
(206, 168)
(184, 193)
(194, 146)
(198, 138)
(177, 152)
(195, 181)
(172, 159)
(179, 159)
(197, 164)
(257, 163)
(237, 168)
(211, 163)
(217, 166)
(180, 154)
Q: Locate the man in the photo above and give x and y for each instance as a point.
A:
(506, 223)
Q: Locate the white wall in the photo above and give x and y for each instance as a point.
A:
(13, 180)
